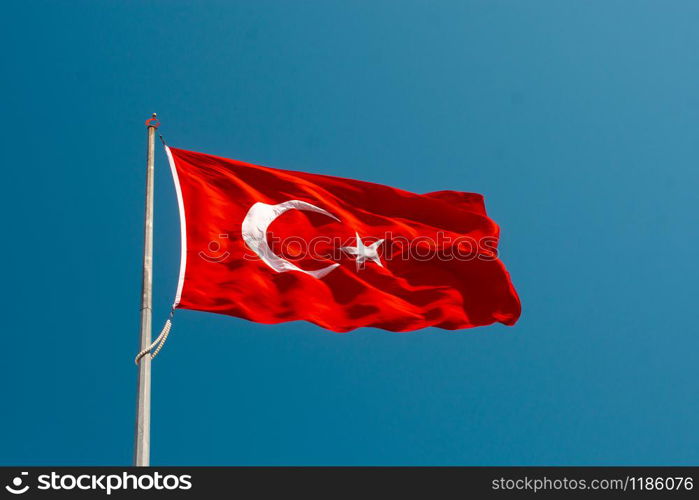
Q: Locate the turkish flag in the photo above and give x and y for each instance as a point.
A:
(272, 245)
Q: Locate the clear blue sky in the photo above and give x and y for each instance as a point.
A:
(578, 121)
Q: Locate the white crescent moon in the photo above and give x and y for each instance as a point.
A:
(254, 230)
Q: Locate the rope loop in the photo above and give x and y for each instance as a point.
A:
(159, 341)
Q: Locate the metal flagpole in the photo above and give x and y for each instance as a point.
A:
(142, 435)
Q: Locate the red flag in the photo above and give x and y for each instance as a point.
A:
(273, 245)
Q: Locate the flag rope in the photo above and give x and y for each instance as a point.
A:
(159, 341)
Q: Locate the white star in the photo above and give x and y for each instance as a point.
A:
(363, 253)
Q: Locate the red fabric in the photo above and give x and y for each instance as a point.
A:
(223, 275)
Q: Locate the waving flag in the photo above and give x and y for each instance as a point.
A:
(273, 245)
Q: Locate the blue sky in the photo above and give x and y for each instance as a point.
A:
(576, 120)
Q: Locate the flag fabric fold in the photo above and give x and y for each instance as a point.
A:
(272, 245)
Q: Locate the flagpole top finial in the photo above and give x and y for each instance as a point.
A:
(153, 122)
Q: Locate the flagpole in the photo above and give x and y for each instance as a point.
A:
(142, 434)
